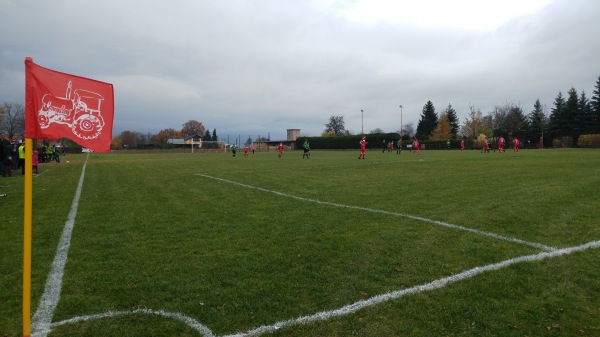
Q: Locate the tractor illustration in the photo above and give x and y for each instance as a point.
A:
(80, 112)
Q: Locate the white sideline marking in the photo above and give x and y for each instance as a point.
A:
(441, 223)
(437, 284)
(40, 323)
(39, 174)
(350, 308)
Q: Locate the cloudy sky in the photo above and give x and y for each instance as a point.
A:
(258, 67)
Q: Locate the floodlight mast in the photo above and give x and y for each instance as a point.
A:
(401, 121)
(362, 122)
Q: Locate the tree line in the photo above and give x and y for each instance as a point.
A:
(568, 120)
(160, 140)
(12, 126)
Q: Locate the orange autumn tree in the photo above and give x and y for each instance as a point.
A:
(443, 130)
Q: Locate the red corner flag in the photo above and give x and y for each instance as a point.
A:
(59, 105)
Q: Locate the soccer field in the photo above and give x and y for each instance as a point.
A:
(446, 243)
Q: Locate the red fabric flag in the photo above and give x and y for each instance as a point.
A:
(59, 105)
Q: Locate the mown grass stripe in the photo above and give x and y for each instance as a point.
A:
(441, 223)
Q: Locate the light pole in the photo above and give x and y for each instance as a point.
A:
(400, 121)
(362, 122)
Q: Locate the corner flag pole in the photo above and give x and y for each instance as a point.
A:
(27, 208)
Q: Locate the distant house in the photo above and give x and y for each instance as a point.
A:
(195, 139)
(176, 141)
(289, 143)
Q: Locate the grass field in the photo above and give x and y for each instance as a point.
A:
(447, 243)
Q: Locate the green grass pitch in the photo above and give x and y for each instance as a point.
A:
(182, 244)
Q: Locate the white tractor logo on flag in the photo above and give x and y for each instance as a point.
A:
(81, 112)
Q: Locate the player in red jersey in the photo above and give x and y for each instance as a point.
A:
(486, 146)
(280, 148)
(501, 144)
(462, 144)
(516, 145)
(363, 148)
(416, 146)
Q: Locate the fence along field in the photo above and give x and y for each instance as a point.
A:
(211, 245)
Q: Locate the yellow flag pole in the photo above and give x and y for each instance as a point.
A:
(28, 192)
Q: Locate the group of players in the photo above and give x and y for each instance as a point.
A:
(416, 147)
(306, 147)
(501, 144)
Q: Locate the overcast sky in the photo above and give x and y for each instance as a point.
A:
(258, 67)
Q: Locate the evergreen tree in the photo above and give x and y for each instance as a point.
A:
(595, 109)
(214, 135)
(428, 121)
(585, 115)
(556, 116)
(453, 120)
(515, 122)
(206, 136)
(571, 117)
(538, 121)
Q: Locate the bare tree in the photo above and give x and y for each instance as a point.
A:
(408, 129)
(161, 139)
(336, 125)
(12, 122)
(474, 124)
(131, 139)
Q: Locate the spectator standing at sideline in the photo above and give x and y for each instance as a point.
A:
(42, 154)
(57, 154)
(14, 148)
(22, 158)
(35, 161)
(5, 157)
(49, 153)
